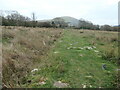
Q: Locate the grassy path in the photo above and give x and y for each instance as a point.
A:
(74, 61)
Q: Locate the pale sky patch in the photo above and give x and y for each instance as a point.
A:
(97, 11)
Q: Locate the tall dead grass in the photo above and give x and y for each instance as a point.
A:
(22, 48)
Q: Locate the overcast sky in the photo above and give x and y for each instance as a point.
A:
(97, 11)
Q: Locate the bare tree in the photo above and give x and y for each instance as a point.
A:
(33, 16)
(33, 19)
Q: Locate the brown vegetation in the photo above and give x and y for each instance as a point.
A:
(22, 48)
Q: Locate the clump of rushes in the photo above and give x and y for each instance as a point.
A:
(110, 54)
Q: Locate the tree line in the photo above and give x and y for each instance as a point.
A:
(83, 24)
(15, 19)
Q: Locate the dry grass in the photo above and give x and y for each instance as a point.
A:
(107, 36)
(22, 48)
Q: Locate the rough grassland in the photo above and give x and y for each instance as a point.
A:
(57, 58)
(22, 50)
(80, 59)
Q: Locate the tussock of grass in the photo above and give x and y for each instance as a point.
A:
(110, 54)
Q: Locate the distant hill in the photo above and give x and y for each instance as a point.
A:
(69, 20)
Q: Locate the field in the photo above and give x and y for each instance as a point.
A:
(59, 58)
